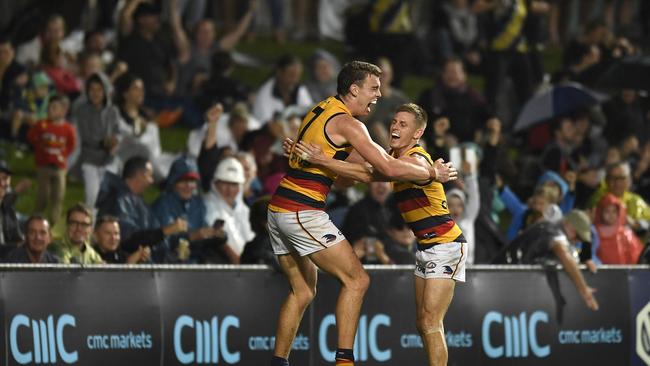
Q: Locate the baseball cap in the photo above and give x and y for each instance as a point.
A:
(230, 170)
(5, 168)
(191, 175)
(581, 223)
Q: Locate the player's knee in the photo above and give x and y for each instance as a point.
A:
(305, 296)
(360, 282)
(427, 325)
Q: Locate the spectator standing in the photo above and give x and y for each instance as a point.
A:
(323, 69)
(464, 205)
(76, 246)
(13, 80)
(38, 237)
(53, 140)
(97, 122)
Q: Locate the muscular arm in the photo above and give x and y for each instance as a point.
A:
(357, 135)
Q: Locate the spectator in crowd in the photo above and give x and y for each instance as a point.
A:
(38, 237)
(219, 131)
(32, 105)
(464, 205)
(539, 208)
(122, 198)
(558, 155)
(452, 99)
(180, 200)
(618, 243)
(13, 80)
(144, 47)
(54, 64)
(400, 246)
(53, 140)
(506, 53)
(222, 204)
(626, 115)
(366, 222)
(282, 90)
(252, 187)
(195, 56)
(76, 246)
(95, 43)
(618, 181)
(53, 33)
(140, 136)
(546, 240)
(381, 115)
(10, 232)
(107, 243)
(258, 250)
(97, 121)
(561, 190)
(323, 69)
(456, 31)
(221, 86)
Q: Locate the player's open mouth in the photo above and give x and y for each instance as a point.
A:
(372, 103)
(394, 136)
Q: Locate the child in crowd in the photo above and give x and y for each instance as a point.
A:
(53, 139)
(618, 243)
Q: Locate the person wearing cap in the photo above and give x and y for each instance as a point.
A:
(546, 240)
(10, 232)
(222, 203)
(122, 198)
(181, 201)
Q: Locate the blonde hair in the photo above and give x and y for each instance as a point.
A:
(417, 112)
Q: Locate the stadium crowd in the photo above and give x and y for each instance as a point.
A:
(86, 87)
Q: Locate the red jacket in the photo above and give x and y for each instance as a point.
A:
(52, 142)
(618, 244)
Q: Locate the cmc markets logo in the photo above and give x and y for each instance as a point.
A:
(210, 340)
(643, 334)
(365, 342)
(47, 340)
(519, 335)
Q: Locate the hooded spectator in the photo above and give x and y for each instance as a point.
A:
(618, 243)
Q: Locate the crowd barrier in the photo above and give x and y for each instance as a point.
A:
(225, 315)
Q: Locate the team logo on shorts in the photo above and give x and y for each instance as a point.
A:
(329, 238)
(448, 270)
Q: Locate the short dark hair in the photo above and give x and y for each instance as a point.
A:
(133, 166)
(287, 60)
(355, 72)
(78, 207)
(58, 98)
(105, 219)
(35, 217)
(122, 84)
(417, 112)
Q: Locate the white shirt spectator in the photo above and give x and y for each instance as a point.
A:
(268, 102)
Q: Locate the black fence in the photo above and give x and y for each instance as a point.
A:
(168, 315)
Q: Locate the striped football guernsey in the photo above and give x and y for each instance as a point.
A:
(305, 187)
(424, 208)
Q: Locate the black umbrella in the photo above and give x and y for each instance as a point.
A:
(632, 72)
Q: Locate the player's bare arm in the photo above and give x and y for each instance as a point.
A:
(347, 129)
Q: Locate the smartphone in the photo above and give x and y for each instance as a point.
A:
(218, 224)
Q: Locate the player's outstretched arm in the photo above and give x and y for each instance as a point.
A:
(357, 135)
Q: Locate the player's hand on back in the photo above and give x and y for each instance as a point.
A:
(443, 172)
